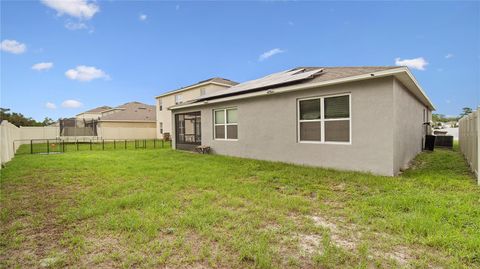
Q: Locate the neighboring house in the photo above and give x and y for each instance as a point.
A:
(92, 114)
(132, 120)
(353, 118)
(202, 88)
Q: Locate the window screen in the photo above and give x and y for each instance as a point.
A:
(337, 107)
(310, 109)
(337, 131)
(310, 131)
(225, 124)
(334, 118)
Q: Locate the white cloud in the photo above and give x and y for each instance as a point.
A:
(50, 105)
(418, 63)
(142, 17)
(177, 7)
(86, 73)
(82, 9)
(448, 56)
(71, 104)
(270, 53)
(42, 66)
(75, 26)
(13, 46)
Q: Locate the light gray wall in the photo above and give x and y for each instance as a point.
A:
(267, 129)
(409, 129)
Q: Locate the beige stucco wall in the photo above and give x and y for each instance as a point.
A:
(165, 115)
(267, 129)
(408, 125)
(126, 130)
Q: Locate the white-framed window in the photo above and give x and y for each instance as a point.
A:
(202, 92)
(160, 105)
(325, 119)
(225, 126)
(178, 99)
(161, 127)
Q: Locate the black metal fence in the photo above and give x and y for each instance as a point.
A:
(52, 146)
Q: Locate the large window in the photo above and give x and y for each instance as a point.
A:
(324, 119)
(160, 105)
(161, 127)
(225, 124)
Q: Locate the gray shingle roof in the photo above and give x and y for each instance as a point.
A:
(132, 111)
(299, 75)
(97, 109)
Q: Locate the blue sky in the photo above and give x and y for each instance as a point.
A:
(59, 59)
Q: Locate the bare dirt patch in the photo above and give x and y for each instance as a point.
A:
(32, 230)
(349, 237)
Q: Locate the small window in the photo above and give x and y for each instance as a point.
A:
(178, 99)
(324, 119)
(160, 106)
(161, 127)
(202, 92)
(225, 124)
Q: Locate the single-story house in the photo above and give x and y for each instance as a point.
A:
(133, 120)
(371, 119)
(92, 114)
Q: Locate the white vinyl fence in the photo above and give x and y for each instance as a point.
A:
(10, 133)
(469, 140)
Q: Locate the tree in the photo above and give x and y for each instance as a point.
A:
(18, 119)
(438, 117)
(47, 121)
(466, 111)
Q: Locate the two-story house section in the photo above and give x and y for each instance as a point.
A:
(184, 94)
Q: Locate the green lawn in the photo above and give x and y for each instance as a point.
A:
(164, 208)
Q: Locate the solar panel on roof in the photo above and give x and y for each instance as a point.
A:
(270, 80)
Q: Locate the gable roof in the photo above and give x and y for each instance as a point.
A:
(99, 109)
(215, 80)
(132, 111)
(309, 77)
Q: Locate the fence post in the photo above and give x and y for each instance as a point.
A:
(144, 143)
(76, 143)
(90, 144)
(31, 146)
(114, 144)
(48, 147)
(103, 144)
(154, 143)
(63, 145)
(125, 143)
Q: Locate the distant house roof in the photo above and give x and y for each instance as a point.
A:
(99, 109)
(308, 77)
(132, 111)
(216, 80)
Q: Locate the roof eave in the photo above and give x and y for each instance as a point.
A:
(384, 73)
